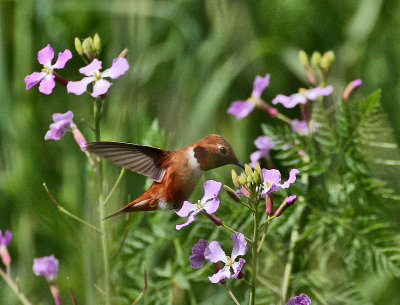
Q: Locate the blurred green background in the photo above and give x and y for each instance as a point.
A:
(189, 60)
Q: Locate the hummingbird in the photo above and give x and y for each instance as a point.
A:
(175, 173)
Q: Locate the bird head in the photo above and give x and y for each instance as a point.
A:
(214, 151)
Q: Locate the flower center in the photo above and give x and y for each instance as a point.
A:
(47, 69)
(97, 75)
(254, 100)
(229, 262)
(302, 91)
(267, 184)
(199, 205)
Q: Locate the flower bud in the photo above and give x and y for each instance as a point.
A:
(327, 60)
(242, 179)
(269, 204)
(257, 168)
(123, 53)
(97, 43)
(248, 170)
(231, 193)
(235, 179)
(78, 46)
(249, 180)
(350, 88)
(88, 48)
(285, 204)
(304, 58)
(315, 59)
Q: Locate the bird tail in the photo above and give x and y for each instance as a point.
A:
(130, 207)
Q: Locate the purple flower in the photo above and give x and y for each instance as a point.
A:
(4, 242)
(46, 266)
(209, 203)
(301, 299)
(62, 123)
(242, 109)
(197, 258)
(264, 144)
(46, 76)
(214, 254)
(302, 97)
(93, 75)
(6, 239)
(272, 179)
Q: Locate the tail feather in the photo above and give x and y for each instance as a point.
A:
(128, 208)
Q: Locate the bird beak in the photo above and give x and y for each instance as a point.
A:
(240, 164)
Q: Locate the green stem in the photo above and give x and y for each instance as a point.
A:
(231, 294)
(289, 265)
(121, 174)
(14, 287)
(263, 237)
(233, 231)
(104, 237)
(254, 255)
(284, 118)
(68, 213)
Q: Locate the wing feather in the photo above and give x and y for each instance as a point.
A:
(145, 160)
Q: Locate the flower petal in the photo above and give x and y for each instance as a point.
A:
(32, 79)
(186, 208)
(271, 174)
(46, 266)
(210, 200)
(214, 253)
(118, 68)
(188, 222)
(301, 299)
(62, 59)
(46, 55)
(257, 155)
(289, 101)
(69, 115)
(260, 83)
(313, 94)
(292, 178)
(300, 127)
(197, 258)
(239, 245)
(241, 109)
(89, 70)
(224, 273)
(100, 87)
(263, 142)
(79, 87)
(212, 188)
(291, 200)
(6, 239)
(47, 84)
(237, 267)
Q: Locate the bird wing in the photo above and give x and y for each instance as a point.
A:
(145, 160)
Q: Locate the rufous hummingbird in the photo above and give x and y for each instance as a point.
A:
(175, 173)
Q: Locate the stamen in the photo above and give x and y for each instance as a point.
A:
(47, 69)
(229, 262)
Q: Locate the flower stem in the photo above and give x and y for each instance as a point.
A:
(233, 231)
(14, 287)
(254, 255)
(98, 111)
(231, 294)
(66, 212)
(121, 174)
(263, 237)
(289, 264)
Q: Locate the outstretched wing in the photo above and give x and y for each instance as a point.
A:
(145, 160)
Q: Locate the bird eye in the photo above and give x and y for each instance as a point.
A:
(222, 150)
